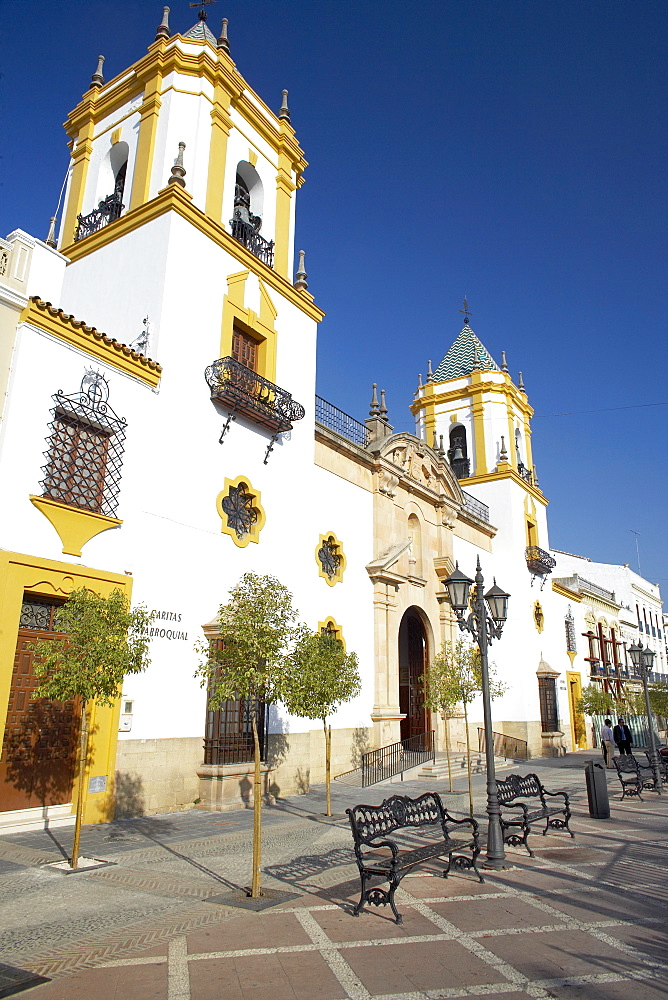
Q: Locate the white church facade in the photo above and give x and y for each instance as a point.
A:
(168, 438)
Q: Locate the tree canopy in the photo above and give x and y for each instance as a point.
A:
(323, 678)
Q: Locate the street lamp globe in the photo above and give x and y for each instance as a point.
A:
(635, 653)
(647, 659)
(459, 586)
(497, 602)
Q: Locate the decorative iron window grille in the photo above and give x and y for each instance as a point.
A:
(85, 449)
(38, 614)
(238, 506)
(244, 391)
(108, 210)
(330, 558)
(569, 623)
(336, 420)
(547, 693)
(4, 257)
(229, 732)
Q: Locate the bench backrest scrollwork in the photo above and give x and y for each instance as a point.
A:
(517, 786)
(370, 823)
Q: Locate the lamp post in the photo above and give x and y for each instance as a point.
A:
(485, 620)
(642, 659)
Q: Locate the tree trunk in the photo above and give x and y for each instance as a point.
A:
(328, 765)
(468, 758)
(257, 815)
(81, 784)
(446, 722)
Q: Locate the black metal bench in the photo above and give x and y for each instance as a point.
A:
(527, 786)
(379, 858)
(634, 777)
(662, 764)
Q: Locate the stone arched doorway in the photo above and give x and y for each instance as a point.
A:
(412, 662)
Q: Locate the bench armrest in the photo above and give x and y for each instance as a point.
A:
(374, 845)
(516, 805)
(565, 795)
(467, 819)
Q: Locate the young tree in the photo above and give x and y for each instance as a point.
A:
(104, 641)
(595, 701)
(454, 677)
(249, 661)
(324, 677)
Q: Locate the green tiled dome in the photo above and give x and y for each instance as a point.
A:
(466, 354)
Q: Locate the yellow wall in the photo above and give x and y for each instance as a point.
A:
(20, 573)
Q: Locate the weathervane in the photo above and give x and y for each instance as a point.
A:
(202, 4)
(465, 310)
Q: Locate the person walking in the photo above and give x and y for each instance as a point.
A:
(607, 742)
(622, 736)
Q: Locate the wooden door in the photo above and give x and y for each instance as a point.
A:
(40, 738)
(412, 652)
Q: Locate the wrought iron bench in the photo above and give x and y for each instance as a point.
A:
(634, 777)
(379, 858)
(527, 786)
(662, 764)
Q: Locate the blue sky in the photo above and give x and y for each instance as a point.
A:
(513, 151)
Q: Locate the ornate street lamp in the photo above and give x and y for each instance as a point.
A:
(487, 616)
(642, 659)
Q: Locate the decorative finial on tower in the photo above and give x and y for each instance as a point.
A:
(420, 381)
(520, 383)
(51, 238)
(503, 454)
(466, 311)
(284, 110)
(383, 408)
(441, 449)
(430, 374)
(374, 411)
(504, 363)
(97, 80)
(163, 28)
(223, 42)
(178, 171)
(301, 276)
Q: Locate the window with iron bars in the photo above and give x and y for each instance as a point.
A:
(547, 693)
(228, 737)
(85, 449)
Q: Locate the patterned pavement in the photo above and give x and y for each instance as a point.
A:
(584, 919)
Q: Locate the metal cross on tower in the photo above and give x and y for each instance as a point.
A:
(465, 310)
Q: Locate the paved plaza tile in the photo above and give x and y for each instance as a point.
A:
(493, 914)
(249, 930)
(560, 953)
(144, 982)
(372, 923)
(427, 965)
(304, 976)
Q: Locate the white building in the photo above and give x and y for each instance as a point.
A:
(170, 478)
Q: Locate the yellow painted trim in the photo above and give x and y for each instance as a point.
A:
(260, 327)
(527, 442)
(574, 677)
(254, 534)
(538, 616)
(45, 577)
(565, 592)
(198, 60)
(509, 473)
(464, 391)
(221, 124)
(331, 625)
(285, 186)
(148, 129)
(91, 340)
(174, 199)
(74, 526)
(329, 536)
(80, 161)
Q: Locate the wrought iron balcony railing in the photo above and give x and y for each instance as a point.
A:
(108, 210)
(526, 474)
(243, 391)
(539, 562)
(251, 239)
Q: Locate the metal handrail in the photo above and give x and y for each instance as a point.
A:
(474, 506)
(509, 747)
(383, 763)
(248, 235)
(336, 420)
(108, 210)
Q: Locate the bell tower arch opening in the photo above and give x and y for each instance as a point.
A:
(413, 653)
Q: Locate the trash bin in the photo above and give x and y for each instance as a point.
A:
(597, 790)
